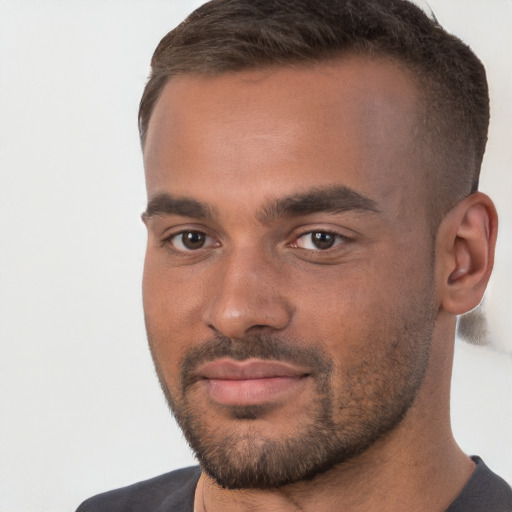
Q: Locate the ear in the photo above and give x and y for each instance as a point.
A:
(465, 253)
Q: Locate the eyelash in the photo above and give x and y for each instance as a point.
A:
(339, 239)
(170, 241)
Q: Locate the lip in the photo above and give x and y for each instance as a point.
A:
(251, 382)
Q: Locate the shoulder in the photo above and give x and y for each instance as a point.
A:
(172, 489)
(484, 492)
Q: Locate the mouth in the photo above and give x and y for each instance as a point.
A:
(251, 382)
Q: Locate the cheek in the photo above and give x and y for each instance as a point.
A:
(352, 312)
(348, 327)
(171, 314)
(171, 295)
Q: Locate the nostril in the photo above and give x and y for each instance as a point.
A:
(238, 322)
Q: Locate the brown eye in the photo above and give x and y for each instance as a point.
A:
(193, 239)
(319, 240)
(323, 240)
(188, 241)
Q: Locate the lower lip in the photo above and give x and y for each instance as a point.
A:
(252, 391)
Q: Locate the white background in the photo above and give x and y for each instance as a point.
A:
(80, 407)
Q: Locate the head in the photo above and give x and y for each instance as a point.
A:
(313, 227)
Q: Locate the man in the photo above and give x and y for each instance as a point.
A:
(314, 229)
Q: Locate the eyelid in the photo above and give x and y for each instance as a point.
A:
(168, 241)
(342, 239)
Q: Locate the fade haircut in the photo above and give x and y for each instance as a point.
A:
(225, 36)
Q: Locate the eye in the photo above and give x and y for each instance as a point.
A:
(319, 240)
(188, 241)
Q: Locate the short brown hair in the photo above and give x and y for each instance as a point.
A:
(231, 35)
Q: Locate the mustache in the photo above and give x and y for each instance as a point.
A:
(253, 346)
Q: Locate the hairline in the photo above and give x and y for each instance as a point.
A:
(371, 54)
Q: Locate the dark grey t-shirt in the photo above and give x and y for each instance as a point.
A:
(174, 492)
(483, 492)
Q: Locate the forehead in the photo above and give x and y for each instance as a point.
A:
(351, 121)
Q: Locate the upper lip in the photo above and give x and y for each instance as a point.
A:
(230, 369)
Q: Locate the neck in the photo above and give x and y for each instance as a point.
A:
(418, 466)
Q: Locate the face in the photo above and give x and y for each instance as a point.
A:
(288, 287)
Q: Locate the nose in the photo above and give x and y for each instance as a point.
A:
(246, 296)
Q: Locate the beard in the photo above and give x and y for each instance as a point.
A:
(352, 407)
(241, 459)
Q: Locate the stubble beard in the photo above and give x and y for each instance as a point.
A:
(376, 395)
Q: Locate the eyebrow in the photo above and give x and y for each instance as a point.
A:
(165, 204)
(333, 199)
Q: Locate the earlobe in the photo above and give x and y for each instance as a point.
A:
(465, 252)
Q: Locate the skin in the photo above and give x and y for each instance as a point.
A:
(236, 144)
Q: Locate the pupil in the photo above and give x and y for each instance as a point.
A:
(193, 240)
(323, 240)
